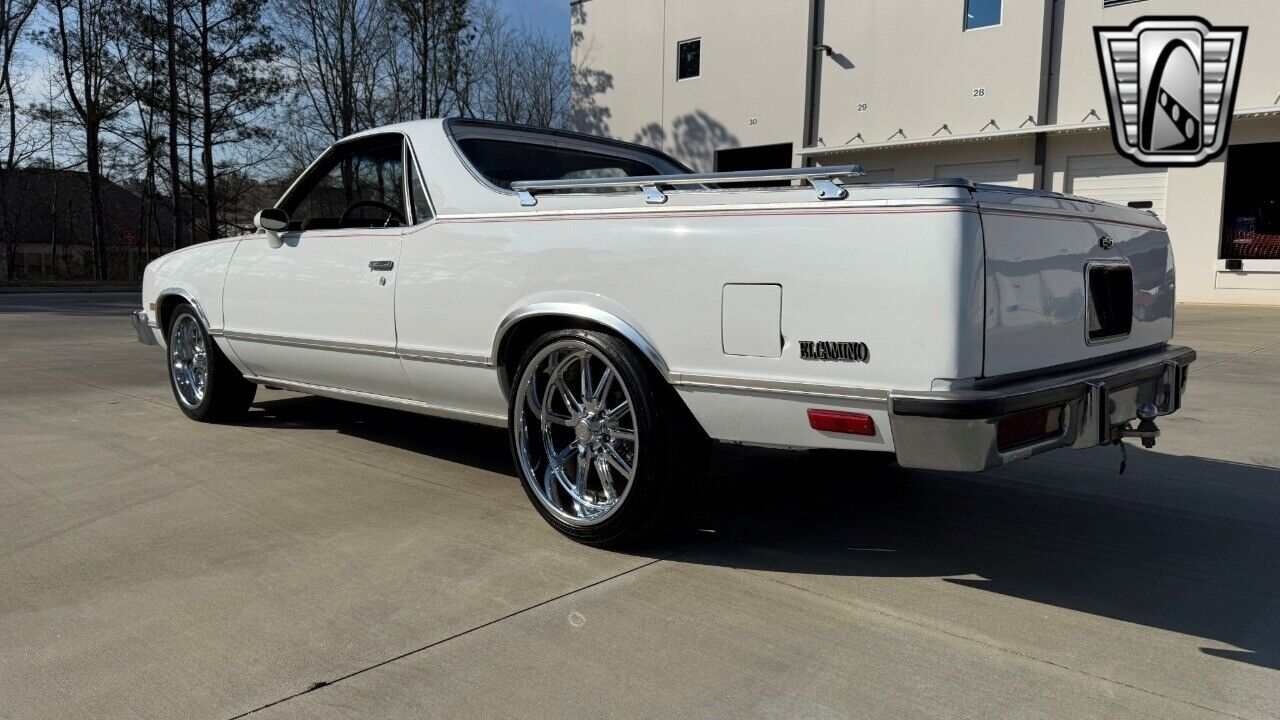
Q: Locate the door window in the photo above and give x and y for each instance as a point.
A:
(359, 184)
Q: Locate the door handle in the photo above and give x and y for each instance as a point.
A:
(381, 264)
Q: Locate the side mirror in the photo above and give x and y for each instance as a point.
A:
(273, 221)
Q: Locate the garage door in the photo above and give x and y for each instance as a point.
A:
(1115, 179)
(1001, 172)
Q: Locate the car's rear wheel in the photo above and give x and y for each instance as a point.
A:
(206, 385)
(601, 442)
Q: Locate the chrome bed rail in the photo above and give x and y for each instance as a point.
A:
(823, 180)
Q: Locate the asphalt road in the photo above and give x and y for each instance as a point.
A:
(324, 559)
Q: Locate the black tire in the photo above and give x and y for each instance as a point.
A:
(670, 455)
(226, 394)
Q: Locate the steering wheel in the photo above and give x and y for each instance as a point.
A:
(393, 213)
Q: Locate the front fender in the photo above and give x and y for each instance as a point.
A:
(195, 275)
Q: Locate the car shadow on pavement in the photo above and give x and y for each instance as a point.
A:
(1186, 544)
(481, 447)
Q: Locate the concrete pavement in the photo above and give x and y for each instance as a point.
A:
(324, 559)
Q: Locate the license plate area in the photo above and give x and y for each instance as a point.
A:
(1123, 403)
(1105, 409)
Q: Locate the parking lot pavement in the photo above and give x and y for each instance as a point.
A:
(323, 559)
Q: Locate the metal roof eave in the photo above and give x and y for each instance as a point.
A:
(1030, 131)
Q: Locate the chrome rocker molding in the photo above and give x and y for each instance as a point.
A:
(568, 310)
(447, 358)
(583, 312)
(780, 387)
(956, 430)
(357, 348)
(384, 401)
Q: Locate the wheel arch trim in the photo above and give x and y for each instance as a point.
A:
(578, 311)
(191, 300)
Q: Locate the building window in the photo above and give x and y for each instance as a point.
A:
(981, 13)
(1251, 203)
(689, 59)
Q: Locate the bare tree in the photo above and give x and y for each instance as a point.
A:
(163, 80)
(439, 33)
(140, 132)
(520, 75)
(185, 94)
(83, 39)
(333, 52)
(53, 118)
(171, 76)
(232, 60)
(329, 49)
(14, 15)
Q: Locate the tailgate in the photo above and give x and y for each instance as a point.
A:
(1070, 280)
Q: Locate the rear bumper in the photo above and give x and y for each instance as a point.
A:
(142, 326)
(956, 430)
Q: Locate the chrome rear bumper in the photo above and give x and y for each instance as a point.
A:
(956, 430)
(142, 326)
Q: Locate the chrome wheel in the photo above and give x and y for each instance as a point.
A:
(576, 433)
(188, 361)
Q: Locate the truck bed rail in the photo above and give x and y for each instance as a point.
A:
(823, 180)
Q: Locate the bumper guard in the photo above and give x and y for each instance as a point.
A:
(142, 326)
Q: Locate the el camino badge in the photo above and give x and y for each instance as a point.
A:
(838, 351)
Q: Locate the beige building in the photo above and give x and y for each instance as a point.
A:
(1003, 91)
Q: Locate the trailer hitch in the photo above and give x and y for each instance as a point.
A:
(1146, 431)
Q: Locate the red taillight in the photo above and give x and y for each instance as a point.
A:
(1028, 427)
(842, 422)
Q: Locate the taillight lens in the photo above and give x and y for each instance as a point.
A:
(1028, 427)
(842, 422)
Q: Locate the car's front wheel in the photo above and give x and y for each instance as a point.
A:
(601, 442)
(206, 385)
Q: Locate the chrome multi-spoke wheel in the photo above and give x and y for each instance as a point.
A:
(207, 386)
(188, 361)
(607, 452)
(577, 438)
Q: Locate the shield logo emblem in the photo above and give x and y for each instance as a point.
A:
(1171, 88)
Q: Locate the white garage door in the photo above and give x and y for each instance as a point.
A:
(1000, 172)
(1115, 179)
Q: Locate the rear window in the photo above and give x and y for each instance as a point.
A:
(502, 162)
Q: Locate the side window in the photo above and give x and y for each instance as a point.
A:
(503, 162)
(360, 186)
(417, 191)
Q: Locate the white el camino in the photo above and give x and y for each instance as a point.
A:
(614, 310)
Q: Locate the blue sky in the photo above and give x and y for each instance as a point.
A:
(550, 16)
